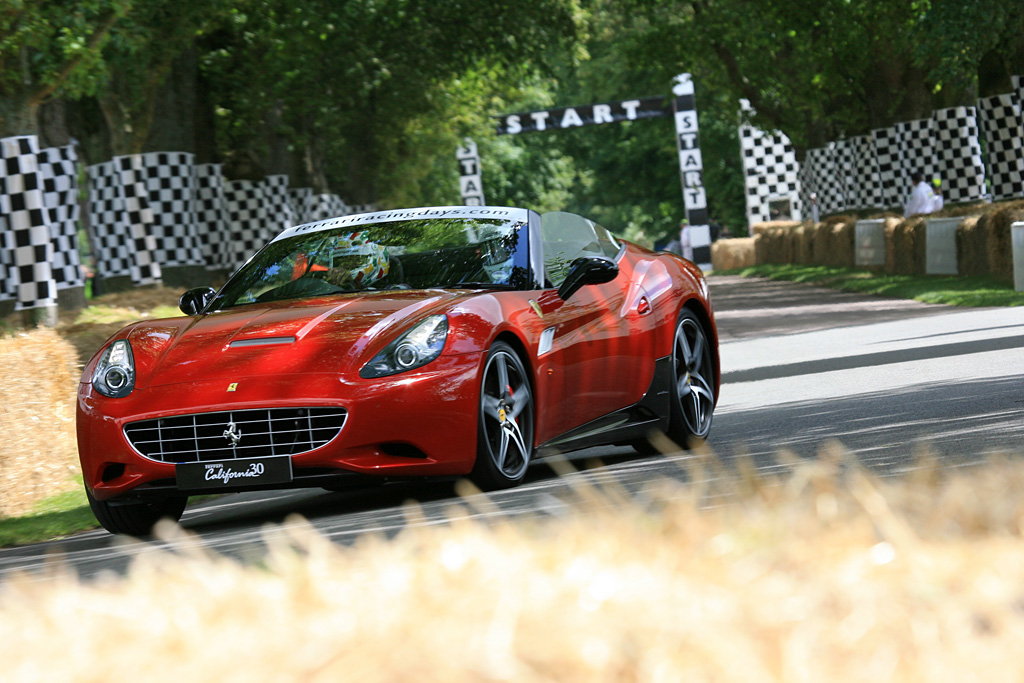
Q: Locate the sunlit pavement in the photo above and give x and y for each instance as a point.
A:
(801, 366)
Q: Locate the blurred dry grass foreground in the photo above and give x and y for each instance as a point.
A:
(825, 574)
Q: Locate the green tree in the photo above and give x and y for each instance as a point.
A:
(137, 60)
(350, 80)
(50, 49)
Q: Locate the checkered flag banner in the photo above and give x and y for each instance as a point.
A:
(58, 166)
(112, 250)
(770, 170)
(248, 222)
(211, 216)
(958, 159)
(171, 194)
(865, 190)
(821, 175)
(26, 225)
(138, 217)
(324, 206)
(1002, 126)
(121, 220)
(300, 199)
(279, 207)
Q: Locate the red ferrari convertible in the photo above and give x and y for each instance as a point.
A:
(423, 342)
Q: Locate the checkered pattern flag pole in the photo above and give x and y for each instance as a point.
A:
(27, 222)
(691, 170)
(138, 217)
(59, 169)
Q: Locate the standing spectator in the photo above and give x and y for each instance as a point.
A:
(920, 200)
(815, 210)
(937, 201)
(684, 240)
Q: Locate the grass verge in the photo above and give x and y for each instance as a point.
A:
(54, 517)
(929, 289)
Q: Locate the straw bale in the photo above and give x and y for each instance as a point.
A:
(758, 228)
(909, 247)
(727, 254)
(803, 244)
(843, 242)
(889, 226)
(972, 246)
(817, 576)
(38, 451)
(998, 242)
(821, 244)
(775, 241)
(760, 248)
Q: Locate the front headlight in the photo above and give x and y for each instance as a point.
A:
(417, 347)
(115, 372)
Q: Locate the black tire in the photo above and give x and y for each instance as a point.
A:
(693, 374)
(136, 519)
(505, 425)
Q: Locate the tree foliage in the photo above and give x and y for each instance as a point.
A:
(49, 49)
(369, 98)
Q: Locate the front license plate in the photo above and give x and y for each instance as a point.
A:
(227, 473)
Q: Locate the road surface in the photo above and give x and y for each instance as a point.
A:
(801, 366)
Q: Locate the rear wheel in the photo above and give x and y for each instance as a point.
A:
(136, 519)
(505, 432)
(693, 374)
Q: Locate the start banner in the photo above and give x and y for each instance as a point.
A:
(584, 115)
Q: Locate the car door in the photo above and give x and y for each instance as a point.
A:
(596, 347)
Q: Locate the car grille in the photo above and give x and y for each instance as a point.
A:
(257, 433)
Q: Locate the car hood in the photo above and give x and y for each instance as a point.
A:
(336, 334)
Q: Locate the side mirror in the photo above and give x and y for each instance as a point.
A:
(587, 270)
(194, 300)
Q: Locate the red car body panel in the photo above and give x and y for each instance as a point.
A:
(606, 340)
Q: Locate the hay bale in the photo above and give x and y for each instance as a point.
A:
(843, 243)
(733, 253)
(971, 251)
(998, 242)
(758, 228)
(822, 244)
(803, 244)
(776, 237)
(890, 225)
(760, 249)
(908, 242)
(828, 573)
(38, 452)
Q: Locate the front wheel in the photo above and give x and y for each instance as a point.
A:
(136, 519)
(693, 375)
(505, 432)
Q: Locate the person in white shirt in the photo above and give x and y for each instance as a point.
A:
(937, 201)
(920, 197)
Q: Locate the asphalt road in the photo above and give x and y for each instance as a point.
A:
(801, 366)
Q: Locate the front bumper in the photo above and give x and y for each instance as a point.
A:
(421, 423)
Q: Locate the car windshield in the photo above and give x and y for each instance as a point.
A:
(411, 254)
